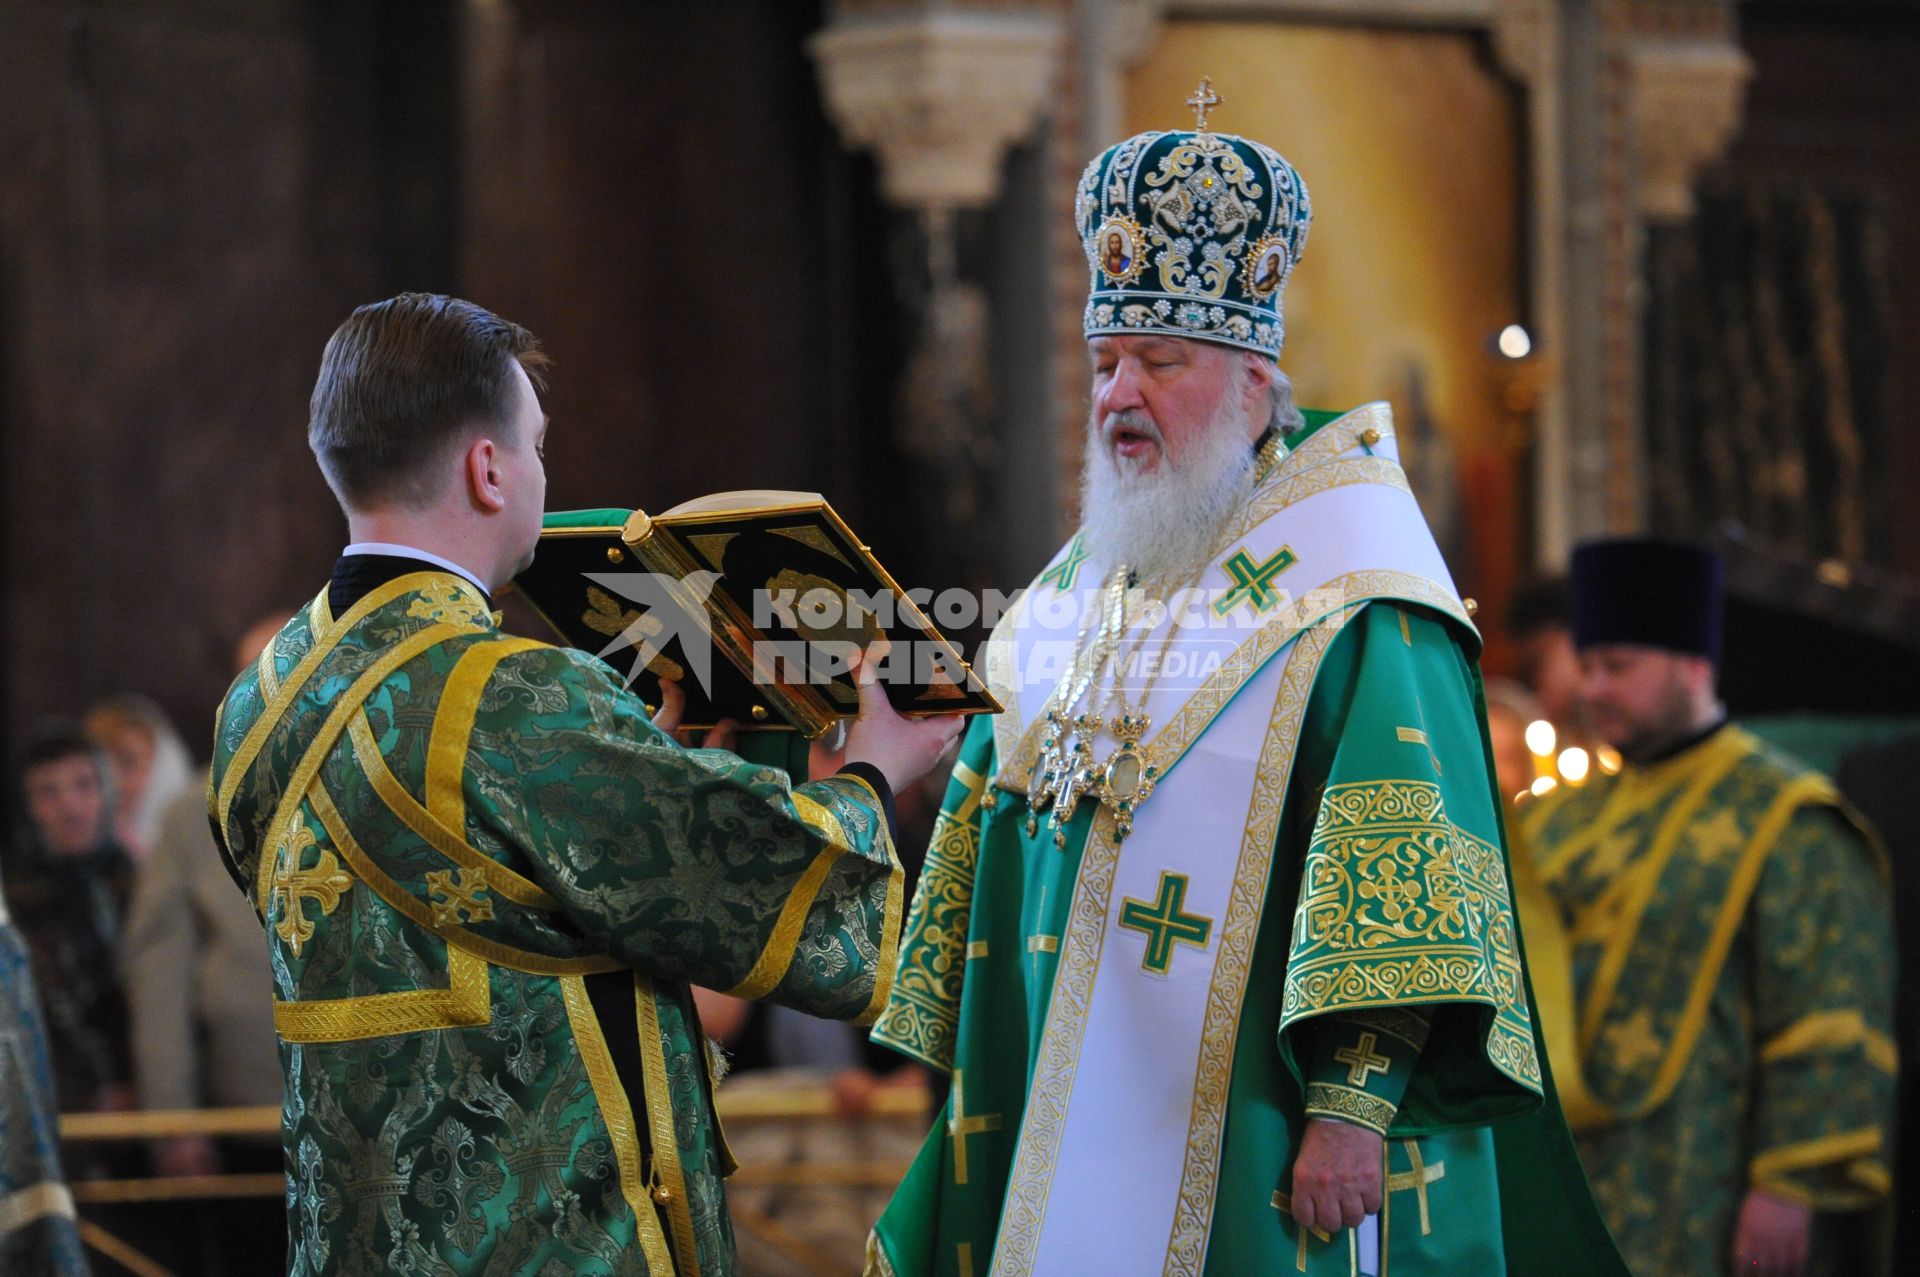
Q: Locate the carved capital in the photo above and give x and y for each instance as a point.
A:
(938, 95)
(1687, 96)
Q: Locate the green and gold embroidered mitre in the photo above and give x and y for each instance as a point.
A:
(1191, 234)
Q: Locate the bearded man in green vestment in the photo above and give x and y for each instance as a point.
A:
(1214, 939)
(1721, 1002)
(488, 878)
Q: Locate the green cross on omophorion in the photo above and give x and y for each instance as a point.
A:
(1061, 575)
(1253, 582)
(1164, 924)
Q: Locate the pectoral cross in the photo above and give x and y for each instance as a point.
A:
(1204, 99)
(1253, 582)
(962, 1124)
(323, 884)
(1361, 1060)
(1163, 923)
(1417, 1179)
(459, 896)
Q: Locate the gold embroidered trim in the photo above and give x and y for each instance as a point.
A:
(1720, 757)
(1226, 994)
(1341, 594)
(465, 1002)
(1292, 486)
(409, 812)
(1387, 870)
(1833, 1031)
(617, 1112)
(1326, 1099)
(776, 957)
(658, 1097)
(453, 721)
(1800, 792)
(280, 828)
(266, 671)
(28, 1205)
(1409, 1026)
(922, 1013)
(1844, 1146)
(322, 646)
(421, 913)
(889, 931)
(1341, 435)
(876, 1264)
(1043, 1124)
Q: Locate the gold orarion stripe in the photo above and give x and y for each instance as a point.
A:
(617, 1112)
(660, 1128)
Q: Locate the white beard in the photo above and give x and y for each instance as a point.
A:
(1166, 523)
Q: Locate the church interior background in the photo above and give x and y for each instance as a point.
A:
(1619, 265)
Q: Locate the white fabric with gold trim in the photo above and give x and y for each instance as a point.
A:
(1142, 1119)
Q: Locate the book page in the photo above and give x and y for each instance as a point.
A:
(746, 499)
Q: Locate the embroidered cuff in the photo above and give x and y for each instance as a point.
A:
(1364, 1055)
(1345, 1104)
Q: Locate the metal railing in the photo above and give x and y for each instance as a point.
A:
(737, 1108)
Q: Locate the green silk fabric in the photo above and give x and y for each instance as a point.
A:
(1766, 1059)
(559, 840)
(1483, 1174)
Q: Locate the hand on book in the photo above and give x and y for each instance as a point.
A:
(904, 749)
(673, 704)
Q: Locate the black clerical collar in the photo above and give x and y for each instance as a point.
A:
(1684, 744)
(357, 575)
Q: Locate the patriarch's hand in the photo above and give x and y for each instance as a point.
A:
(1337, 1176)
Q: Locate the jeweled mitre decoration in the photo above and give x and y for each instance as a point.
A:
(1192, 234)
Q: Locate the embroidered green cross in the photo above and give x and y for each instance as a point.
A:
(1164, 924)
(1061, 575)
(1253, 582)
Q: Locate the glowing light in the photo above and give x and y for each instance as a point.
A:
(1541, 738)
(1608, 759)
(1514, 342)
(1574, 765)
(1544, 785)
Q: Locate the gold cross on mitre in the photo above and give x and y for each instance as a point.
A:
(1204, 99)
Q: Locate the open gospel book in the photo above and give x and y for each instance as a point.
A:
(773, 582)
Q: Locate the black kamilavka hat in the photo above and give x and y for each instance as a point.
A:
(1648, 592)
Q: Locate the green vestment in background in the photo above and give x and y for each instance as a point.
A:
(37, 1232)
(1386, 908)
(487, 880)
(1728, 995)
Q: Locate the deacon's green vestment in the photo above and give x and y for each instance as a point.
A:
(1727, 984)
(487, 881)
(1386, 978)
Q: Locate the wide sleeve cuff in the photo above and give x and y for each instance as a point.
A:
(1362, 1062)
(874, 779)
